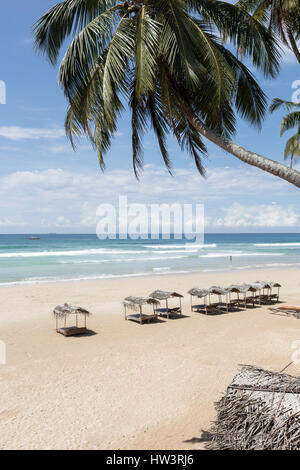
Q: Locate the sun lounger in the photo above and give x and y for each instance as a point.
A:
(287, 310)
(72, 331)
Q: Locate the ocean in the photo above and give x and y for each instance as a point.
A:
(81, 257)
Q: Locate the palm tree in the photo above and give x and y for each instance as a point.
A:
(281, 16)
(164, 59)
(291, 120)
(292, 148)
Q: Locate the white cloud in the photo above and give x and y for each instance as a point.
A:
(27, 133)
(58, 200)
(259, 215)
(60, 149)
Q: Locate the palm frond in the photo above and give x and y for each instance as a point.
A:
(290, 121)
(138, 126)
(277, 103)
(64, 19)
(146, 48)
(120, 52)
(292, 146)
(159, 124)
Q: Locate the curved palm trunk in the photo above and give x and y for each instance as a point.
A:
(275, 168)
(293, 45)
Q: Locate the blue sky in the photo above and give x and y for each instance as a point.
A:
(46, 187)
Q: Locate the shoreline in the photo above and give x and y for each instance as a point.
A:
(149, 275)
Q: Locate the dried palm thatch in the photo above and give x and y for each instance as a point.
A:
(135, 303)
(217, 290)
(260, 411)
(200, 293)
(164, 295)
(238, 288)
(66, 310)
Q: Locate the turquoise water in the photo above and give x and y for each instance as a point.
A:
(77, 257)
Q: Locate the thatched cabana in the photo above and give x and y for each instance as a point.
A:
(267, 295)
(277, 286)
(223, 301)
(259, 411)
(240, 290)
(136, 304)
(199, 294)
(268, 286)
(62, 312)
(166, 296)
(242, 299)
(257, 288)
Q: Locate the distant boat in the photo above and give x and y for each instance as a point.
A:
(33, 238)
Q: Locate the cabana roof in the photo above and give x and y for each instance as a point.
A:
(258, 285)
(198, 292)
(257, 379)
(66, 310)
(218, 290)
(164, 295)
(269, 284)
(239, 288)
(263, 415)
(139, 301)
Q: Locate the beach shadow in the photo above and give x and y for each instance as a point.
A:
(152, 322)
(86, 334)
(205, 437)
(159, 320)
(176, 317)
(251, 307)
(237, 309)
(214, 313)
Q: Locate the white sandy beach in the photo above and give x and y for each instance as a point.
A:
(129, 386)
